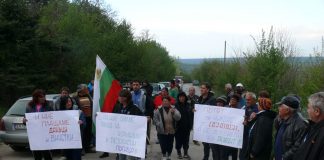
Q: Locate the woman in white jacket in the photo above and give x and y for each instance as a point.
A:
(165, 121)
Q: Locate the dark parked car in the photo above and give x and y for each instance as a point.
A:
(12, 130)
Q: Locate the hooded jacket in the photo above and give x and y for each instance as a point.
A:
(260, 136)
(185, 123)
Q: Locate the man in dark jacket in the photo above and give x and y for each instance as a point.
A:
(192, 100)
(251, 108)
(312, 147)
(207, 98)
(148, 88)
(290, 130)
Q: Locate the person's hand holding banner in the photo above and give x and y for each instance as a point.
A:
(53, 130)
(119, 133)
(219, 125)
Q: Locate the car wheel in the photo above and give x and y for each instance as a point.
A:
(19, 148)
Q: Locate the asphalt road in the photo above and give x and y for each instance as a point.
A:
(154, 151)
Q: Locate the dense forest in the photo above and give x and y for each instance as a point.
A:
(53, 43)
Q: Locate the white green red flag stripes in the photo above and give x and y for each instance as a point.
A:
(106, 89)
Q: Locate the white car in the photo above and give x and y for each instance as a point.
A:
(157, 87)
(166, 84)
(12, 130)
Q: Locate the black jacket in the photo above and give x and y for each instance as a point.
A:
(185, 123)
(148, 90)
(292, 137)
(131, 109)
(209, 100)
(193, 100)
(149, 107)
(313, 147)
(260, 136)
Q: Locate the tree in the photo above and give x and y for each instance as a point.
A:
(50, 44)
(271, 67)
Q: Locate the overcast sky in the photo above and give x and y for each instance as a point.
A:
(198, 28)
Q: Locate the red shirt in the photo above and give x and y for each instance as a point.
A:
(158, 101)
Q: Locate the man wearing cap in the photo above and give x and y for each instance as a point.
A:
(313, 141)
(290, 130)
(239, 89)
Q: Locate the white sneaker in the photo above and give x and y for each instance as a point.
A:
(164, 158)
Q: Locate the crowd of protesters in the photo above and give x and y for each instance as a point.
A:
(294, 138)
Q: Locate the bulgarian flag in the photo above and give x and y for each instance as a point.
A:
(105, 91)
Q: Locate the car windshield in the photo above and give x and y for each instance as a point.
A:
(155, 87)
(166, 84)
(19, 108)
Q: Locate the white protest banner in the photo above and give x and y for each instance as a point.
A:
(53, 130)
(119, 133)
(219, 125)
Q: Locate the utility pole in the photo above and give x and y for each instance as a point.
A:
(225, 53)
(322, 53)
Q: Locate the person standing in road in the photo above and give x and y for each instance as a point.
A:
(158, 99)
(240, 90)
(192, 97)
(148, 88)
(207, 98)
(290, 130)
(184, 125)
(260, 134)
(65, 91)
(144, 103)
(251, 108)
(230, 151)
(229, 91)
(174, 91)
(39, 104)
(141, 100)
(66, 103)
(192, 100)
(126, 106)
(218, 151)
(312, 146)
(84, 101)
(165, 119)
